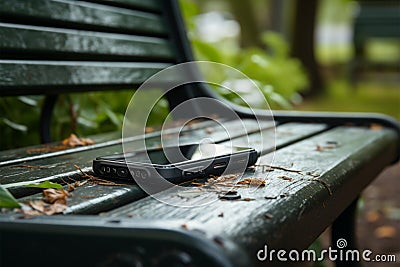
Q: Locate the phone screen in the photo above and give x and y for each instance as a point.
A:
(173, 155)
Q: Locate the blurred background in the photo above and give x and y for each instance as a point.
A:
(328, 55)
(325, 55)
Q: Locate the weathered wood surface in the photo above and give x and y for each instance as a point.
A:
(91, 199)
(83, 15)
(60, 165)
(293, 208)
(70, 76)
(52, 43)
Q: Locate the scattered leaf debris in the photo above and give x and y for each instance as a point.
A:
(30, 166)
(54, 202)
(72, 141)
(286, 178)
(373, 216)
(328, 145)
(52, 195)
(221, 215)
(184, 226)
(268, 216)
(248, 199)
(88, 197)
(375, 126)
(37, 205)
(385, 231)
(190, 193)
(332, 142)
(148, 129)
(252, 181)
(313, 174)
(218, 240)
(209, 130)
(271, 167)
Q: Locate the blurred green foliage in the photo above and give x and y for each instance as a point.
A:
(81, 113)
(279, 77)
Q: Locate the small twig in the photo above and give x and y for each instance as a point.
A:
(279, 168)
(97, 180)
(30, 167)
(286, 178)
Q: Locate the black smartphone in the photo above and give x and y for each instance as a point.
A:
(177, 163)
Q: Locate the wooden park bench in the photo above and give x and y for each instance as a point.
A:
(322, 162)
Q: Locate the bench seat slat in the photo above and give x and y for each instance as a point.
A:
(21, 155)
(297, 209)
(43, 42)
(81, 15)
(40, 77)
(90, 199)
(61, 167)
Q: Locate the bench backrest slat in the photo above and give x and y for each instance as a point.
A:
(82, 45)
(44, 43)
(82, 15)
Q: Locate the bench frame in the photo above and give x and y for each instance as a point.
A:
(343, 226)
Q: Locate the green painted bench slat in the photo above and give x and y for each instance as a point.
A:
(81, 15)
(19, 155)
(285, 214)
(151, 5)
(28, 42)
(60, 167)
(41, 77)
(90, 199)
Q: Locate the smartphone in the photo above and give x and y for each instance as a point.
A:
(176, 163)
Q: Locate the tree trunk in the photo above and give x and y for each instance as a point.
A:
(303, 47)
(249, 31)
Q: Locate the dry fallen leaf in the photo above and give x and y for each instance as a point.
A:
(248, 199)
(55, 208)
(372, 216)
(70, 142)
(55, 196)
(252, 182)
(39, 207)
(376, 126)
(268, 216)
(385, 231)
(74, 141)
(286, 178)
(148, 129)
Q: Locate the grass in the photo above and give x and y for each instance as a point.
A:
(370, 96)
